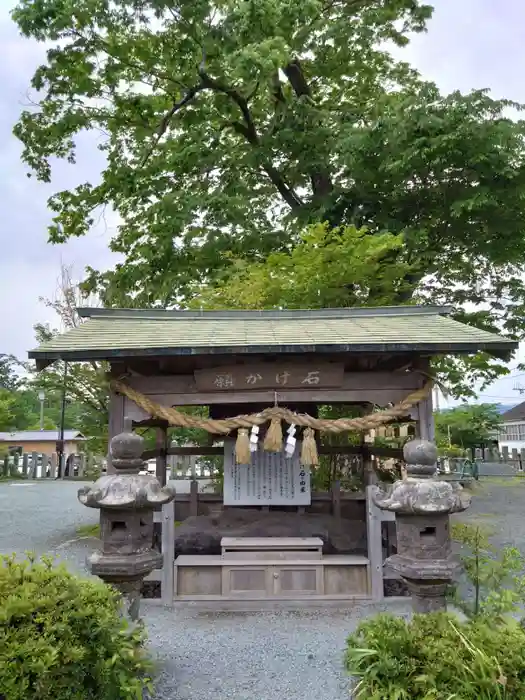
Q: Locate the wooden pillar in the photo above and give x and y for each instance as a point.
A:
(336, 500)
(161, 443)
(194, 498)
(375, 546)
(34, 465)
(53, 466)
(116, 422)
(423, 412)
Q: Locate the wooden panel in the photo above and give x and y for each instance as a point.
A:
(296, 581)
(352, 381)
(198, 580)
(245, 580)
(345, 580)
(264, 375)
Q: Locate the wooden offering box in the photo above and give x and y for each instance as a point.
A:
(271, 567)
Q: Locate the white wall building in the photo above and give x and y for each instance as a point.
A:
(512, 430)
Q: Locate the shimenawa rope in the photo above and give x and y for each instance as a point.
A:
(226, 425)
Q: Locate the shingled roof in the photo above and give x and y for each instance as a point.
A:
(119, 333)
(515, 413)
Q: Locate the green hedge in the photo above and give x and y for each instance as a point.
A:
(62, 638)
(436, 657)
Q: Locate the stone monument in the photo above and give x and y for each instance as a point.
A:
(422, 505)
(126, 500)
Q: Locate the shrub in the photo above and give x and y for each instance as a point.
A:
(61, 637)
(436, 657)
(495, 577)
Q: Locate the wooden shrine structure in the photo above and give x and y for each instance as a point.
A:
(242, 363)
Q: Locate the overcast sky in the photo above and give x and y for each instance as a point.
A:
(470, 44)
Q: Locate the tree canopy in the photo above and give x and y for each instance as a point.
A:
(467, 426)
(20, 405)
(231, 126)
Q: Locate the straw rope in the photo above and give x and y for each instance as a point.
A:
(226, 425)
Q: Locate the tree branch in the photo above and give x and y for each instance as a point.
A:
(289, 196)
(249, 131)
(295, 75)
(320, 178)
(163, 126)
(240, 101)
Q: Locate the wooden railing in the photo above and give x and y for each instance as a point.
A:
(36, 465)
(197, 464)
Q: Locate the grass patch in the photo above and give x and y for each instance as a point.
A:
(511, 481)
(94, 529)
(89, 530)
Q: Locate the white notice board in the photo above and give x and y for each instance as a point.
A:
(271, 479)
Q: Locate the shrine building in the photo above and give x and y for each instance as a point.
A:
(284, 394)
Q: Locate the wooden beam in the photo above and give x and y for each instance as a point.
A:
(390, 452)
(379, 397)
(116, 422)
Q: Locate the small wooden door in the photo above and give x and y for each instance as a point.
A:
(297, 580)
(246, 581)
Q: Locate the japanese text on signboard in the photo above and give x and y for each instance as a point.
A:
(270, 377)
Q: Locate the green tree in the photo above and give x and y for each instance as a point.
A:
(335, 267)
(467, 426)
(229, 126)
(9, 378)
(6, 409)
(328, 267)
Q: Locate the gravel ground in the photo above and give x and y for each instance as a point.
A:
(252, 656)
(230, 656)
(43, 517)
(498, 504)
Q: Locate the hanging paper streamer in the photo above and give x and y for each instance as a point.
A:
(309, 456)
(254, 439)
(242, 447)
(289, 447)
(273, 441)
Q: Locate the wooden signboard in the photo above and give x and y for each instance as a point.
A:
(270, 479)
(270, 376)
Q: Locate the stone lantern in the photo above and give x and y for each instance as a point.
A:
(423, 505)
(126, 500)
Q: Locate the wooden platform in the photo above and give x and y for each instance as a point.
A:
(272, 547)
(260, 568)
(274, 577)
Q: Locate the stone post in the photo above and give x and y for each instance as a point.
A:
(422, 505)
(126, 500)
